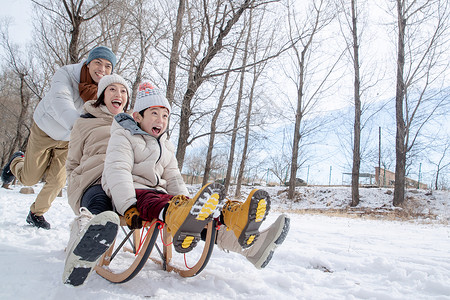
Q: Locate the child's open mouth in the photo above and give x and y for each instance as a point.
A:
(156, 130)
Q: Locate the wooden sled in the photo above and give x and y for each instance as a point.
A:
(132, 249)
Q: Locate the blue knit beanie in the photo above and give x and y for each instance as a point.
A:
(102, 52)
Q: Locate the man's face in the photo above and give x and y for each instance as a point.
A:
(98, 68)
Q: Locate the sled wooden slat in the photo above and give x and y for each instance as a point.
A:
(200, 264)
(104, 269)
(138, 263)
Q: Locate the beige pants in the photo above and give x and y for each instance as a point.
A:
(43, 155)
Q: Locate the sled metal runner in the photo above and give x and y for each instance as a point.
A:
(120, 263)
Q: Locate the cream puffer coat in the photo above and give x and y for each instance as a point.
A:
(137, 160)
(61, 106)
(87, 151)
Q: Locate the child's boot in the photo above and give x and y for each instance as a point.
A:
(245, 218)
(262, 250)
(90, 237)
(186, 217)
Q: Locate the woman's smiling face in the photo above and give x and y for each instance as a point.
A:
(116, 98)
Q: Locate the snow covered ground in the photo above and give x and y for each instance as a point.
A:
(325, 256)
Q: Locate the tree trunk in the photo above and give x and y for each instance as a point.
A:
(73, 46)
(298, 121)
(75, 21)
(183, 135)
(246, 138)
(233, 144)
(436, 181)
(213, 130)
(216, 117)
(138, 75)
(296, 141)
(25, 101)
(357, 123)
(247, 121)
(302, 102)
(400, 153)
(174, 54)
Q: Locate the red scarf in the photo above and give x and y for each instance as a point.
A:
(87, 86)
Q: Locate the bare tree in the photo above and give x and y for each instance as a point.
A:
(114, 28)
(357, 99)
(442, 161)
(422, 29)
(148, 27)
(70, 16)
(237, 114)
(195, 163)
(351, 15)
(215, 31)
(20, 68)
(248, 116)
(257, 49)
(279, 166)
(303, 37)
(175, 52)
(222, 97)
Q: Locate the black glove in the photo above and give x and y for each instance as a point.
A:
(132, 218)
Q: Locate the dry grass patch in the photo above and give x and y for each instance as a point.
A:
(398, 214)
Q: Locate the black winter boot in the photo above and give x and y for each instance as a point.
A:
(38, 221)
(7, 176)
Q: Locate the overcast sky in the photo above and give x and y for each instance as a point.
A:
(20, 12)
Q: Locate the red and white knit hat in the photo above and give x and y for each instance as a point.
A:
(149, 96)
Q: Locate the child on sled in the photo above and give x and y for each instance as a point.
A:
(142, 178)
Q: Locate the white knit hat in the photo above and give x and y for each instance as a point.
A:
(149, 96)
(110, 79)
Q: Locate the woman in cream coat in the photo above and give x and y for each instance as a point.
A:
(95, 226)
(87, 147)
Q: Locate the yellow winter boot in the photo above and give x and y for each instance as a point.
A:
(186, 217)
(245, 218)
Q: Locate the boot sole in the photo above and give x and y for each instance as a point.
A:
(91, 245)
(280, 236)
(257, 213)
(208, 200)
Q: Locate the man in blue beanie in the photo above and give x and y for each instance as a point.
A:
(47, 147)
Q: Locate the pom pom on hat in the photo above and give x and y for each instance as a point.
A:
(149, 96)
(110, 79)
(102, 52)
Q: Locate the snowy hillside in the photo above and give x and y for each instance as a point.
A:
(325, 256)
(421, 205)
